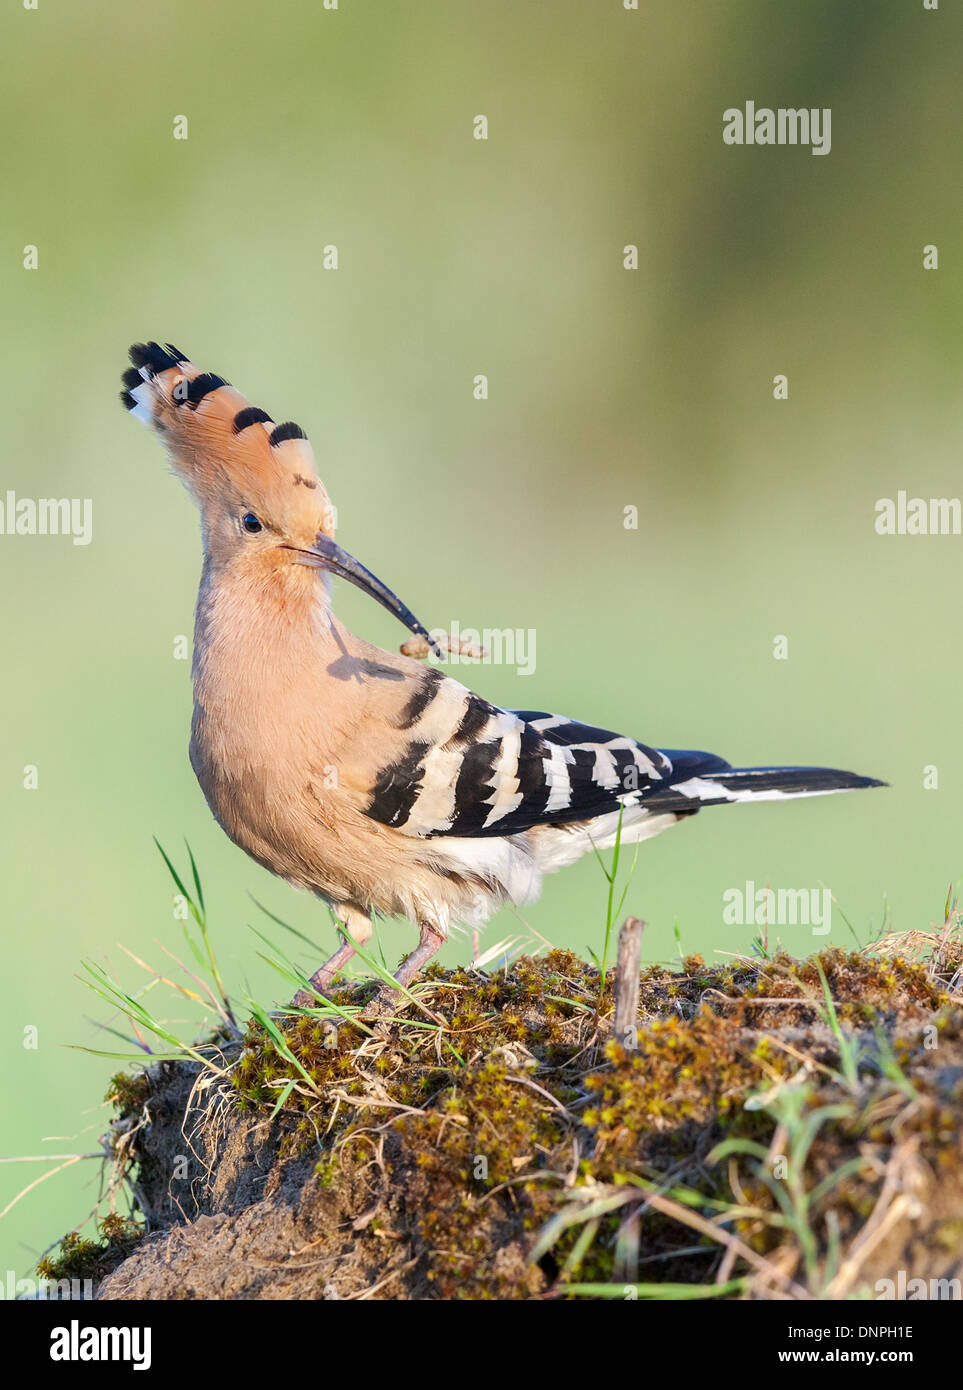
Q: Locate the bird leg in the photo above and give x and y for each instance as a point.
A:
(387, 998)
(356, 931)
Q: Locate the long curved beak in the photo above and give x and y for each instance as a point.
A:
(326, 554)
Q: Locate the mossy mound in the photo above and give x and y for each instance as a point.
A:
(93, 1260)
(497, 1142)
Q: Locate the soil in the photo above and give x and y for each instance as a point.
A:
(518, 1151)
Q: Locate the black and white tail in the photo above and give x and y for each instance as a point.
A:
(713, 783)
(467, 768)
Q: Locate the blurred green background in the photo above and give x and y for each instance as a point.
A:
(608, 388)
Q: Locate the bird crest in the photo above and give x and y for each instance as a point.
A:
(227, 451)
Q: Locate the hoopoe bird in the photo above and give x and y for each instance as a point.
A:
(379, 784)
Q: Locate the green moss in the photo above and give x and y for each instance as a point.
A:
(92, 1259)
(129, 1094)
(522, 1107)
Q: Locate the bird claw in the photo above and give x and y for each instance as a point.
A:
(385, 1008)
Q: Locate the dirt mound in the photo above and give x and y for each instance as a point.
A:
(782, 1128)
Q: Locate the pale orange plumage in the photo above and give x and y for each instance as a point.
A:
(380, 785)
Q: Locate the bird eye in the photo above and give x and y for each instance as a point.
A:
(251, 524)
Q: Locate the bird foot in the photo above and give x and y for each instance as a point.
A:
(386, 1007)
(383, 1007)
(390, 998)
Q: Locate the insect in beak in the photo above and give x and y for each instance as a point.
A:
(326, 554)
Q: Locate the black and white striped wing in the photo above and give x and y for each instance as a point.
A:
(469, 768)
